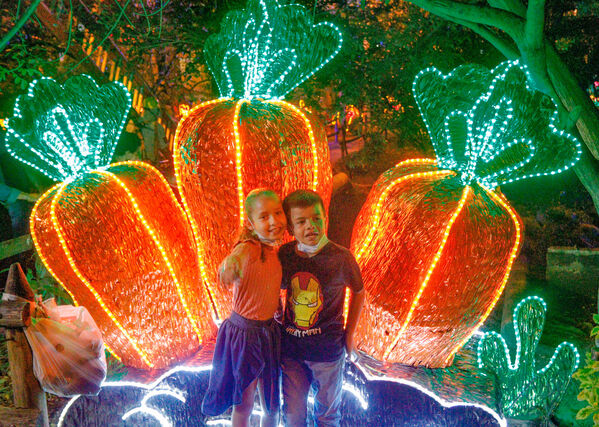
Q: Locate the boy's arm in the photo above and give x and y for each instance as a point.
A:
(354, 280)
(353, 315)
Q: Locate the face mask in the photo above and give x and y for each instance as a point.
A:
(311, 250)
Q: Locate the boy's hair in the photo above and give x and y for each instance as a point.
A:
(301, 199)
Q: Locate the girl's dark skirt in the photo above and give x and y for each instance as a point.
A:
(245, 350)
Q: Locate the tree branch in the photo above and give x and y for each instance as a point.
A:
(14, 30)
(506, 21)
(504, 45)
(532, 46)
(535, 23)
(514, 6)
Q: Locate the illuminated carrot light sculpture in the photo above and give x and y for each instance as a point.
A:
(250, 137)
(436, 239)
(114, 236)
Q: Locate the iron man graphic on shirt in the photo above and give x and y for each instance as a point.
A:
(304, 300)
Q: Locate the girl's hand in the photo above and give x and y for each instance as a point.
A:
(230, 271)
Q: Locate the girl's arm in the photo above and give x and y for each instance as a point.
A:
(231, 269)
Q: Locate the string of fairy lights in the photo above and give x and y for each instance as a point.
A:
(268, 49)
(493, 129)
(524, 388)
(488, 136)
(74, 139)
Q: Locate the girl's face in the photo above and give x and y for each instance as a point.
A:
(267, 218)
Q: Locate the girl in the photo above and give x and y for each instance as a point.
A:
(247, 349)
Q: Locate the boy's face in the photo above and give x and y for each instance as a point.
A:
(308, 225)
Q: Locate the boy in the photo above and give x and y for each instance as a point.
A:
(315, 274)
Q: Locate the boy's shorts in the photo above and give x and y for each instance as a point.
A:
(327, 380)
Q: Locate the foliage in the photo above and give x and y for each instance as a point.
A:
(162, 42)
(524, 391)
(556, 211)
(42, 283)
(573, 26)
(115, 371)
(589, 380)
(362, 161)
(25, 66)
(385, 46)
(31, 53)
(5, 384)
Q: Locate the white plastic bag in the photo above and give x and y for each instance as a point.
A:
(68, 351)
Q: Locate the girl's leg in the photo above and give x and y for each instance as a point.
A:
(268, 420)
(243, 411)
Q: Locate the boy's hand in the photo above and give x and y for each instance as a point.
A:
(349, 344)
(355, 308)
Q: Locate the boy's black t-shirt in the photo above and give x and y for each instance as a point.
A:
(313, 321)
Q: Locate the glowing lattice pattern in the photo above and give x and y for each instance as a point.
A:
(118, 241)
(65, 131)
(224, 149)
(430, 250)
(114, 237)
(491, 125)
(268, 49)
(435, 240)
(525, 391)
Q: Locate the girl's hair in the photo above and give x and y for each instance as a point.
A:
(246, 233)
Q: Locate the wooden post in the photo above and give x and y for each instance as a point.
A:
(26, 389)
(15, 314)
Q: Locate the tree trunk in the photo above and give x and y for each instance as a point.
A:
(571, 95)
(587, 170)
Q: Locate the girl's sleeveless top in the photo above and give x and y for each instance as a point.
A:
(256, 296)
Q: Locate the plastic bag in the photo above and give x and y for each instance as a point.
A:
(68, 351)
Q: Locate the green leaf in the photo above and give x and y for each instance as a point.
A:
(596, 318)
(583, 395)
(584, 413)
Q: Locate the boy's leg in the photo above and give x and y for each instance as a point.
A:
(296, 385)
(328, 384)
(268, 419)
(243, 411)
